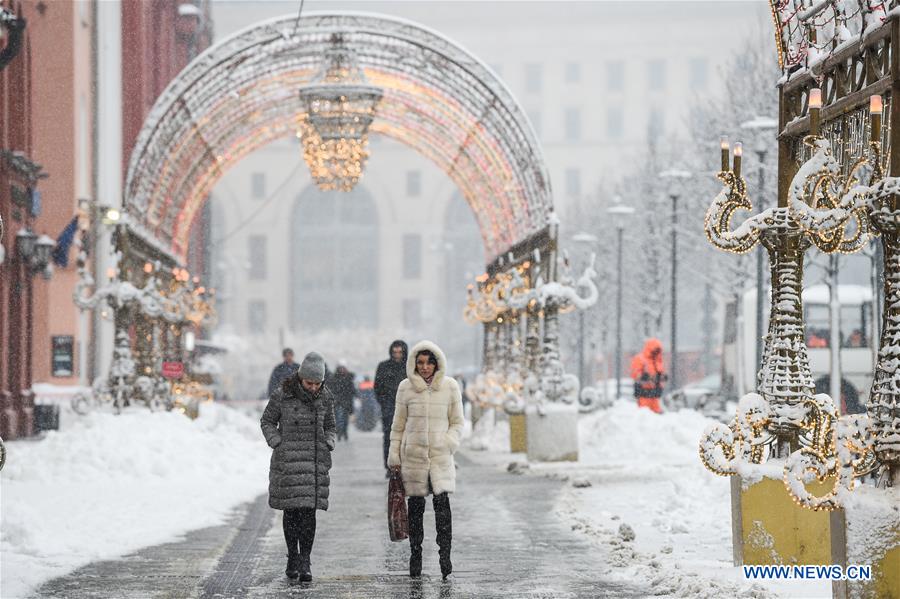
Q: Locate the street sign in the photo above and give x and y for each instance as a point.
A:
(173, 370)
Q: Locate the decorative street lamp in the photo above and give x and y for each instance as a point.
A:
(677, 175)
(619, 213)
(340, 105)
(591, 241)
(760, 125)
(25, 242)
(34, 251)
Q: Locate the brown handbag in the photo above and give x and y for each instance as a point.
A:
(398, 520)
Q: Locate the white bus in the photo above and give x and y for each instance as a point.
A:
(857, 335)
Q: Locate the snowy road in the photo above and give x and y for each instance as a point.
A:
(507, 543)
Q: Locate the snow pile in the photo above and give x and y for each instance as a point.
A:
(646, 479)
(108, 485)
(490, 433)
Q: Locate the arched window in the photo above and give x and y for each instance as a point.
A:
(334, 260)
(463, 248)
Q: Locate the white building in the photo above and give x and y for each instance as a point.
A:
(595, 78)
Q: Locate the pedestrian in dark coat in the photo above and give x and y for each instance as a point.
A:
(282, 372)
(388, 377)
(298, 424)
(343, 386)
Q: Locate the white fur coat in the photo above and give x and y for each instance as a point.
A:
(428, 423)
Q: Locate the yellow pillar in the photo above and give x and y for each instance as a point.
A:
(518, 438)
(870, 537)
(773, 529)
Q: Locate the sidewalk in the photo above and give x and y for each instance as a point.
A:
(507, 543)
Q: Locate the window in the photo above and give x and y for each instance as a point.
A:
(413, 183)
(533, 78)
(698, 68)
(258, 186)
(256, 316)
(257, 251)
(573, 124)
(855, 323)
(615, 122)
(573, 72)
(656, 75)
(573, 182)
(333, 260)
(412, 314)
(62, 352)
(535, 117)
(412, 256)
(615, 76)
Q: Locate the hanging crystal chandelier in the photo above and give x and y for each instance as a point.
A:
(339, 106)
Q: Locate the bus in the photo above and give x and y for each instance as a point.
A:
(858, 343)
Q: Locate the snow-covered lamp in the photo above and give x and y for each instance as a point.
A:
(876, 108)
(815, 106)
(189, 341)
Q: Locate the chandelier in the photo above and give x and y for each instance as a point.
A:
(339, 106)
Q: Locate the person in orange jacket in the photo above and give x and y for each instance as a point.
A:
(649, 375)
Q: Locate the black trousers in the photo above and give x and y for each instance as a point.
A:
(299, 530)
(443, 520)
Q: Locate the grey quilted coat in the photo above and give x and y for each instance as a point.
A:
(299, 427)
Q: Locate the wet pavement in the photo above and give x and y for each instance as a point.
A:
(507, 542)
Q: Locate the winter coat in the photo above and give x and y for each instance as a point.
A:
(299, 427)
(647, 370)
(343, 389)
(428, 424)
(279, 374)
(388, 377)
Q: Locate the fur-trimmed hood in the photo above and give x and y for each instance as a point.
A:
(417, 381)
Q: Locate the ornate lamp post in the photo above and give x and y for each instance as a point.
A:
(619, 213)
(591, 241)
(791, 416)
(676, 175)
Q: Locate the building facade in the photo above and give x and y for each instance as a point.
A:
(50, 148)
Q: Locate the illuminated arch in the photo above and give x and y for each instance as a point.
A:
(242, 94)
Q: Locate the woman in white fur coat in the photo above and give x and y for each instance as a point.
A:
(428, 423)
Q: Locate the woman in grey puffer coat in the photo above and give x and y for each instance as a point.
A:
(298, 424)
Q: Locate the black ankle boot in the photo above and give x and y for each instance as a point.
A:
(293, 566)
(304, 569)
(446, 566)
(415, 563)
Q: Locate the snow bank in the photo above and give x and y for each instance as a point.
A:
(108, 485)
(490, 433)
(645, 473)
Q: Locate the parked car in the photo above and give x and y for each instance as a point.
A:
(704, 396)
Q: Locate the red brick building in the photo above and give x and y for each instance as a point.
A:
(47, 112)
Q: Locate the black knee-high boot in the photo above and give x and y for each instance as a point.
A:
(416, 511)
(307, 535)
(291, 526)
(444, 523)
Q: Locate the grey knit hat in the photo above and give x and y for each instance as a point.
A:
(313, 367)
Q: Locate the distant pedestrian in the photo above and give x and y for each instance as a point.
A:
(369, 412)
(343, 387)
(427, 427)
(282, 371)
(388, 377)
(649, 375)
(298, 424)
